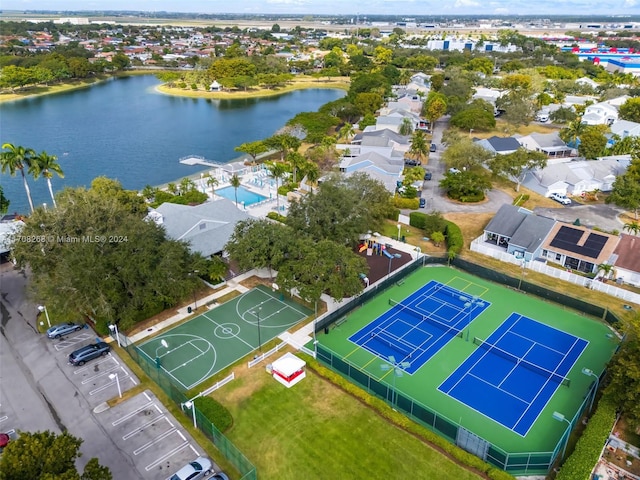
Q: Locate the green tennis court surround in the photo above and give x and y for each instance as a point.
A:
(417, 394)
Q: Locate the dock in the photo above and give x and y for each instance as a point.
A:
(199, 160)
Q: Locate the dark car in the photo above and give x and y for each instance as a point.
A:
(410, 162)
(427, 175)
(432, 148)
(89, 352)
(56, 331)
(423, 202)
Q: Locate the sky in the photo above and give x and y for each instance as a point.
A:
(346, 7)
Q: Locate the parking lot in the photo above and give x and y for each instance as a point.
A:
(140, 427)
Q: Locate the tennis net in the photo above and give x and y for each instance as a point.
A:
(396, 343)
(450, 329)
(494, 349)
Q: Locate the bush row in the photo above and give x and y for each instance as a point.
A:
(417, 219)
(277, 217)
(455, 242)
(472, 198)
(588, 449)
(457, 454)
(214, 412)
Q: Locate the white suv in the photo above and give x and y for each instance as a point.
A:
(558, 197)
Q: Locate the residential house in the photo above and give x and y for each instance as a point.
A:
(377, 166)
(577, 177)
(9, 226)
(601, 113)
(587, 81)
(395, 118)
(627, 261)
(499, 145)
(549, 143)
(386, 142)
(625, 128)
(206, 227)
(578, 248)
(519, 231)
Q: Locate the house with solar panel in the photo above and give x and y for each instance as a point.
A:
(579, 248)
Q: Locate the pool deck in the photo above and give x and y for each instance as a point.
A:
(253, 178)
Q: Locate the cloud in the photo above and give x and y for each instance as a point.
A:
(630, 3)
(466, 3)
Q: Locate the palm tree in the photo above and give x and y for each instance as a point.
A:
(235, 182)
(313, 174)
(17, 158)
(277, 171)
(572, 132)
(46, 165)
(296, 160)
(186, 185)
(406, 128)
(212, 182)
(632, 227)
(346, 131)
(607, 270)
(419, 146)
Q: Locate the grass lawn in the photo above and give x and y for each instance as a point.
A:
(315, 427)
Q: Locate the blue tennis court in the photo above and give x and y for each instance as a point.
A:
(416, 328)
(513, 374)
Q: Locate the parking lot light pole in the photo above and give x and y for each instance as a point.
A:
(114, 376)
(114, 331)
(42, 308)
(163, 344)
(589, 372)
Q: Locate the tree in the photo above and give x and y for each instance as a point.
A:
(46, 456)
(630, 110)
(466, 186)
(252, 148)
(235, 182)
(516, 165)
(346, 132)
(624, 379)
(518, 107)
(46, 165)
(277, 171)
(341, 209)
(464, 154)
(419, 146)
(563, 115)
(571, 133)
(435, 107)
(437, 238)
(473, 119)
(283, 143)
(296, 160)
(101, 259)
(120, 61)
(212, 182)
(632, 227)
(368, 102)
(593, 141)
(626, 193)
(4, 202)
(480, 64)
(259, 244)
(406, 127)
(14, 158)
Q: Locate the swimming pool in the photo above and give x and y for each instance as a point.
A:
(244, 195)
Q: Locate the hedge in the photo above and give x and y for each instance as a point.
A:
(417, 219)
(406, 203)
(214, 412)
(277, 217)
(455, 241)
(588, 449)
(457, 454)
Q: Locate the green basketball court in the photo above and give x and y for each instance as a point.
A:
(210, 342)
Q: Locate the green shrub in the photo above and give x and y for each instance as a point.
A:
(417, 219)
(406, 203)
(521, 199)
(277, 217)
(588, 449)
(214, 412)
(472, 198)
(392, 213)
(434, 222)
(455, 242)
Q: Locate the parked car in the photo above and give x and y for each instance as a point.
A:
(427, 175)
(558, 197)
(220, 476)
(454, 170)
(433, 147)
(410, 162)
(88, 352)
(201, 467)
(57, 331)
(423, 202)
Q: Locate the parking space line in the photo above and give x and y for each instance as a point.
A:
(181, 435)
(101, 374)
(154, 441)
(132, 414)
(106, 358)
(142, 427)
(167, 455)
(70, 342)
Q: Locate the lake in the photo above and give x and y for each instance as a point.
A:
(124, 129)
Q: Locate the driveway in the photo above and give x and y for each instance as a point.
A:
(603, 216)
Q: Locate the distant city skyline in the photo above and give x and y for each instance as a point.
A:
(345, 7)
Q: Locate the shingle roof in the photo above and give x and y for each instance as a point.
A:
(206, 227)
(507, 220)
(628, 251)
(532, 232)
(503, 144)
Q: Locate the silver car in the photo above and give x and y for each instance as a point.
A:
(61, 329)
(201, 467)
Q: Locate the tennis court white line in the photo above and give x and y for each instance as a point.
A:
(515, 365)
(549, 379)
(498, 388)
